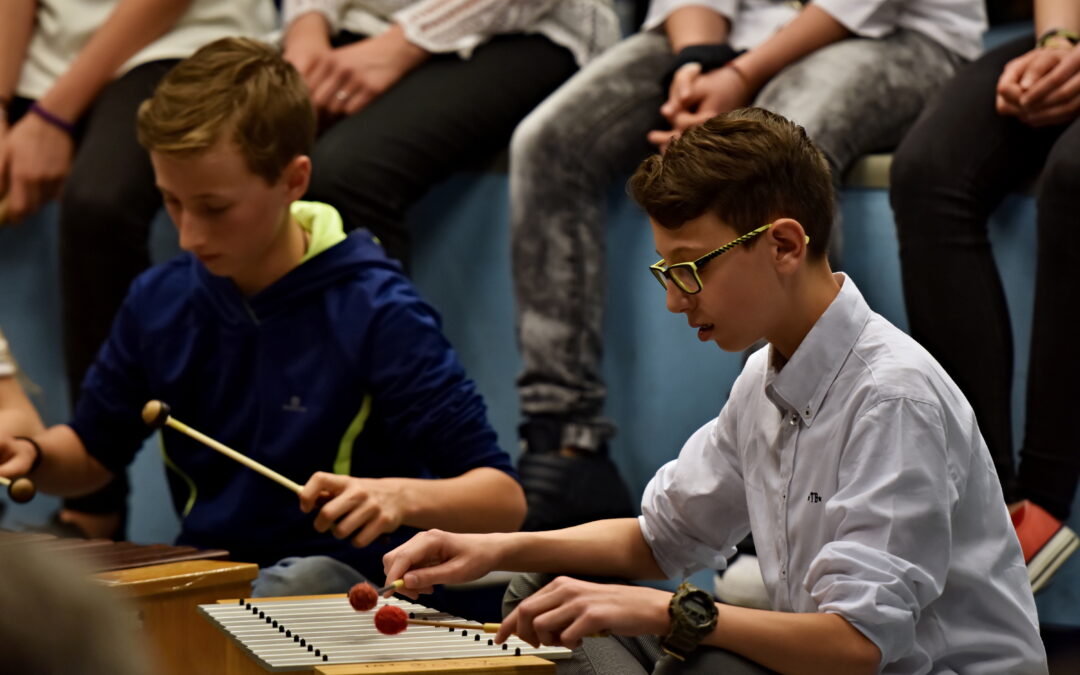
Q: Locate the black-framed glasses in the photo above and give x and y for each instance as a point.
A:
(685, 274)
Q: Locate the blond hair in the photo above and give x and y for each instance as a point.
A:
(235, 86)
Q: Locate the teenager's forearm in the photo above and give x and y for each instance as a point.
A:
(795, 643)
(480, 500)
(813, 29)
(130, 27)
(310, 26)
(66, 469)
(614, 548)
(695, 25)
(15, 32)
(18, 417)
(1051, 14)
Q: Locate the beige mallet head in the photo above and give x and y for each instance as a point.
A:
(155, 414)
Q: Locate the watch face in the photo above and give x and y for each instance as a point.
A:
(699, 609)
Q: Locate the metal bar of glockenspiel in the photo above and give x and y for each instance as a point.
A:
(330, 626)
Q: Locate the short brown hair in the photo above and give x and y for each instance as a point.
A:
(233, 86)
(749, 167)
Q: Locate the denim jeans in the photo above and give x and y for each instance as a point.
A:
(852, 97)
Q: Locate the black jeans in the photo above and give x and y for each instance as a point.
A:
(446, 115)
(948, 176)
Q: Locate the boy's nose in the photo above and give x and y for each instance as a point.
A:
(677, 300)
(191, 235)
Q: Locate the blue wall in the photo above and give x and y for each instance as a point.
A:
(662, 382)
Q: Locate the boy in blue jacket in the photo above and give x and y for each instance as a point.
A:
(284, 338)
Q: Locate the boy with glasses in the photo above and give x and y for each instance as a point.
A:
(883, 540)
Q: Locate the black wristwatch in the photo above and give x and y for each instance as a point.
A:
(693, 616)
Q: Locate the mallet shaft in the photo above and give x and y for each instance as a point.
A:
(392, 585)
(229, 452)
(484, 627)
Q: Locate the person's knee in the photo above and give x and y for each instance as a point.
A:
(522, 586)
(1060, 178)
(916, 172)
(541, 138)
(310, 575)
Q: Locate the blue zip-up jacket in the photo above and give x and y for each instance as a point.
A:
(339, 364)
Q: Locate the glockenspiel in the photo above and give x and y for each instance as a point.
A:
(316, 634)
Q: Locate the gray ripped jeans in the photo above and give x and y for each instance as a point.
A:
(853, 97)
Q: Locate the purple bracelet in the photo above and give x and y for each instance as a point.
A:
(52, 119)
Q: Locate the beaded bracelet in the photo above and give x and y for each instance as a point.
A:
(52, 119)
(1063, 33)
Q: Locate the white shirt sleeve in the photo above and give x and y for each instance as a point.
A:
(891, 524)
(442, 26)
(660, 10)
(865, 18)
(291, 10)
(694, 509)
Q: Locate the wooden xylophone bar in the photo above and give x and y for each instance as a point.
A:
(324, 634)
(103, 555)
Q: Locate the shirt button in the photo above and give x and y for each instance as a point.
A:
(794, 419)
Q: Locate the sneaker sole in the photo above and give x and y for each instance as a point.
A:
(1050, 557)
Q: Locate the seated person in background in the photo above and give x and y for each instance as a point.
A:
(1011, 116)
(18, 417)
(883, 539)
(853, 73)
(282, 337)
(72, 74)
(409, 90)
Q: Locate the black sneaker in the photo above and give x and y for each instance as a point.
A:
(564, 489)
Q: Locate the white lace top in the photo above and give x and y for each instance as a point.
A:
(585, 27)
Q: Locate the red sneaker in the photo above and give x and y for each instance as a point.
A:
(1046, 542)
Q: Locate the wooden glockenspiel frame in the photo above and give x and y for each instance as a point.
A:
(301, 635)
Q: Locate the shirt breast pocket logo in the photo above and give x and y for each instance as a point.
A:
(813, 498)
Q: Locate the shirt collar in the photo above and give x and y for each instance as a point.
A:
(807, 376)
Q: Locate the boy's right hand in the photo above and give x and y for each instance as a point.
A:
(16, 457)
(437, 557)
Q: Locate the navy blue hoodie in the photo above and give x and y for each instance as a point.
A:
(339, 364)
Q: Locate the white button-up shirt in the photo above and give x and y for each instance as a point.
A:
(861, 471)
(958, 25)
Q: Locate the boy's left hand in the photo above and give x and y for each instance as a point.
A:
(368, 507)
(567, 610)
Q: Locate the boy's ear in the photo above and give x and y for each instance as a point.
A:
(297, 176)
(789, 243)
